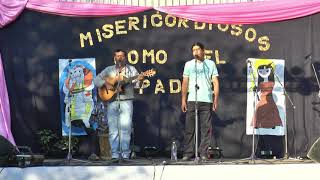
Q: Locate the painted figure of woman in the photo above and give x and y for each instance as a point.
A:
(267, 114)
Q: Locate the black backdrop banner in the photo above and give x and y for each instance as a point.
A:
(31, 46)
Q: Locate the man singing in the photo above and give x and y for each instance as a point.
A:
(202, 75)
(118, 111)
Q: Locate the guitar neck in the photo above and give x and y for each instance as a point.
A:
(130, 79)
(146, 73)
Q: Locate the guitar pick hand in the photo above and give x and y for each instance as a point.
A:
(140, 77)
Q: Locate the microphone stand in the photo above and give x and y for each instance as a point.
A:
(133, 153)
(196, 159)
(286, 156)
(119, 111)
(121, 159)
(69, 156)
(314, 71)
(255, 95)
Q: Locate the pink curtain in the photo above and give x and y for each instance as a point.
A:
(246, 12)
(5, 123)
(231, 13)
(82, 9)
(10, 10)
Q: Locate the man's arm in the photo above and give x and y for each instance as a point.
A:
(100, 79)
(138, 81)
(184, 91)
(215, 82)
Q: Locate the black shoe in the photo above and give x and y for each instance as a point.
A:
(204, 158)
(186, 158)
(93, 157)
(114, 159)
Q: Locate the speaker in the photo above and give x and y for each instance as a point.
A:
(7, 151)
(314, 152)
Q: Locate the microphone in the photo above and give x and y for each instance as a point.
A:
(69, 64)
(248, 61)
(116, 62)
(309, 56)
(119, 63)
(196, 56)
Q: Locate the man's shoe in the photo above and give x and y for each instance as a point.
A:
(125, 156)
(204, 158)
(186, 158)
(105, 158)
(93, 157)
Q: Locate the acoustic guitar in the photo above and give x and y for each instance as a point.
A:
(107, 92)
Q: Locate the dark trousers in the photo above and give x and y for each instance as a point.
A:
(204, 125)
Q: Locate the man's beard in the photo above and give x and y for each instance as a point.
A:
(120, 63)
(198, 57)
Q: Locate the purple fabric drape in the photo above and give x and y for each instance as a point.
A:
(5, 124)
(246, 12)
(10, 10)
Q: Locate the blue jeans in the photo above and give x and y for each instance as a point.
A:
(119, 113)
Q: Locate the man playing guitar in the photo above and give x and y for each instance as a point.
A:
(119, 109)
